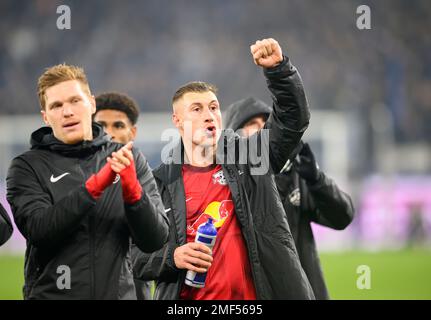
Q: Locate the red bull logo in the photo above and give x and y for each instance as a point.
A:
(218, 211)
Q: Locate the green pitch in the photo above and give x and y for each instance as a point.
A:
(394, 275)
(11, 277)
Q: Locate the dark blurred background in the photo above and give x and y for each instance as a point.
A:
(148, 48)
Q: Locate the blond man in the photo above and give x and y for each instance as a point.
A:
(80, 199)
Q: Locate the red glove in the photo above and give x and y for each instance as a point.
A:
(122, 162)
(132, 190)
(98, 182)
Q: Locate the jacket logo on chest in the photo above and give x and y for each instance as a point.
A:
(295, 197)
(219, 178)
(55, 179)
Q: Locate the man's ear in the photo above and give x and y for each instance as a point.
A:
(176, 121)
(44, 117)
(133, 132)
(93, 104)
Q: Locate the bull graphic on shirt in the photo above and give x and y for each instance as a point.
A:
(216, 210)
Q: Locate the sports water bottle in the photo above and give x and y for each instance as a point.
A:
(206, 235)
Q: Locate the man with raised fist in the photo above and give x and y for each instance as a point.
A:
(254, 256)
(80, 199)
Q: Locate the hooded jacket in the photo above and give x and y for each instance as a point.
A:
(322, 202)
(276, 270)
(6, 228)
(238, 113)
(79, 248)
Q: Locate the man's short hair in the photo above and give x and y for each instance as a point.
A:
(119, 102)
(57, 74)
(194, 86)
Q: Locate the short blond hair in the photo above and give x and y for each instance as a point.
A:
(194, 86)
(60, 73)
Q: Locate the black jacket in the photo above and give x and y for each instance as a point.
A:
(240, 112)
(322, 202)
(5, 226)
(64, 226)
(275, 265)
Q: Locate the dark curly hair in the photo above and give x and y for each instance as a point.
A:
(119, 102)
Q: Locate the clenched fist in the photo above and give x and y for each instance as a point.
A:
(266, 53)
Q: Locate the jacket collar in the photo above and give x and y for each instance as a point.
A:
(44, 139)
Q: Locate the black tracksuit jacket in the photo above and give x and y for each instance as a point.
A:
(65, 226)
(323, 203)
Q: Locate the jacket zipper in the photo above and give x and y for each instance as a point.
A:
(182, 274)
(234, 173)
(91, 231)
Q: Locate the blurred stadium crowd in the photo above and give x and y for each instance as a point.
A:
(148, 48)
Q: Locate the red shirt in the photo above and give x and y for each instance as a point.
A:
(208, 195)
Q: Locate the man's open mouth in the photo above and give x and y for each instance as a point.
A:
(211, 130)
(70, 124)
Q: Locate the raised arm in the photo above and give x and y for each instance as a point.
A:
(290, 116)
